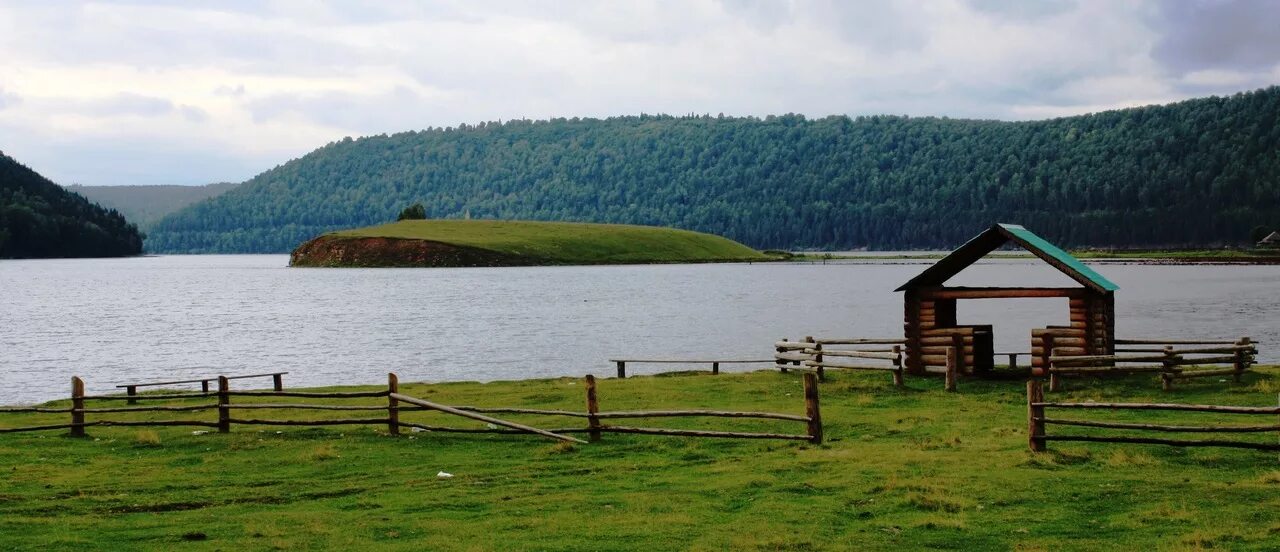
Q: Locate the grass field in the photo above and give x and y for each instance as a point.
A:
(567, 243)
(901, 470)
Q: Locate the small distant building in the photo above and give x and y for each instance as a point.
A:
(1272, 240)
(930, 317)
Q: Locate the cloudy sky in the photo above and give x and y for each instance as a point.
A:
(178, 92)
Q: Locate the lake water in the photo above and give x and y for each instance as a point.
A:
(113, 321)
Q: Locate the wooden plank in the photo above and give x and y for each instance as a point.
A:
(859, 354)
(698, 413)
(1166, 428)
(483, 418)
(826, 365)
(334, 395)
(936, 332)
(336, 421)
(151, 408)
(1074, 359)
(792, 357)
(1166, 406)
(1205, 373)
(692, 433)
(1171, 442)
(699, 361)
(1205, 360)
(999, 293)
(863, 341)
(165, 397)
(1122, 369)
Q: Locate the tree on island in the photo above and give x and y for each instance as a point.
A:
(413, 212)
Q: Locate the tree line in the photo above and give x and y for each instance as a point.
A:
(39, 219)
(1202, 172)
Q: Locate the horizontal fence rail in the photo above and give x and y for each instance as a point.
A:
(1037, 421)
(621, 364)
(131, 389)
(389, 413)
(1232, 358)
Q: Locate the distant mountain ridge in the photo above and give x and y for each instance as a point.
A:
(1199, 172)
(144, 205)
(40, 219)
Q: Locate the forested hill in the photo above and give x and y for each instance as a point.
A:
(1199, 172)
(41, 219)
(145, 205)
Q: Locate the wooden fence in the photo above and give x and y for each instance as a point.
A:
(819, 355)
(1172, 359)
(1037, 420)
(389, 413)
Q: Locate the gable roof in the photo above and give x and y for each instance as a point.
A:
(1273, 237)
(992, 239)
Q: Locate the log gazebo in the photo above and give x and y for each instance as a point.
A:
(930, 317)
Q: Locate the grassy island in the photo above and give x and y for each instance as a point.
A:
(438, 243)
(901, 469)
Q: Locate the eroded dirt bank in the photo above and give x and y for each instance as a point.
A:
(334, 251)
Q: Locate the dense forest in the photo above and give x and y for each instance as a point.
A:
(41, 219)
(1200, 172)
(144, 205)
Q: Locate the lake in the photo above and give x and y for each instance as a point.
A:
(114, 321)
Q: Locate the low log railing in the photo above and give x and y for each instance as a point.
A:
(819, 355)
(1170, 361)
(1037, 420)
(389, 413)
(621, 364)
(131, 389)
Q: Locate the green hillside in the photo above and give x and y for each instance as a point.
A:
(39, 219)
(501, 243)
(1196, 173)
(144, 205)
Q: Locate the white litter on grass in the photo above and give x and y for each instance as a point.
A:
(199, 432)
(444, 475)
(417, 430)
(491, 426)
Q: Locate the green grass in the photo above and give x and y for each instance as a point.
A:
(902, 470)
(569, 243)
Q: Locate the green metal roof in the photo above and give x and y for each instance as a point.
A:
(992, 239)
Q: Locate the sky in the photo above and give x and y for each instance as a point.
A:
(186, 92)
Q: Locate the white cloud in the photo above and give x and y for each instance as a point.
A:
(225, 90)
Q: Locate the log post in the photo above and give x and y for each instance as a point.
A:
(277, 381)
(393, 407)
(715, 368)
(77, 406)
(1035, 416)
(782, 364)
(897, 366)
(817, 357)
(957, 342)
(204, 386)
(952, 367)
(1013, 361)
(224, 400)
(1166, 376)
(1046, 351)
(622, 369)
(131, 391)
(1242, 359)
(1055, 382)
(811, 408)
(593, 407)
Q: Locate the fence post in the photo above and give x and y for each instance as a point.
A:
(278, 381)
(131, 391)
(951, 369)
(622, 369)
(1241, 362)
(897, 366)
(593, 407)
(77, 406)
(393, 406)
(1013, 361)
(224, 399)
(1035, 416)
(204, 386)
(811, 408)
(1166, 377)
(782, 364)
(715, 368)
(817, 357)
(1055, 382)
(957, 341)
